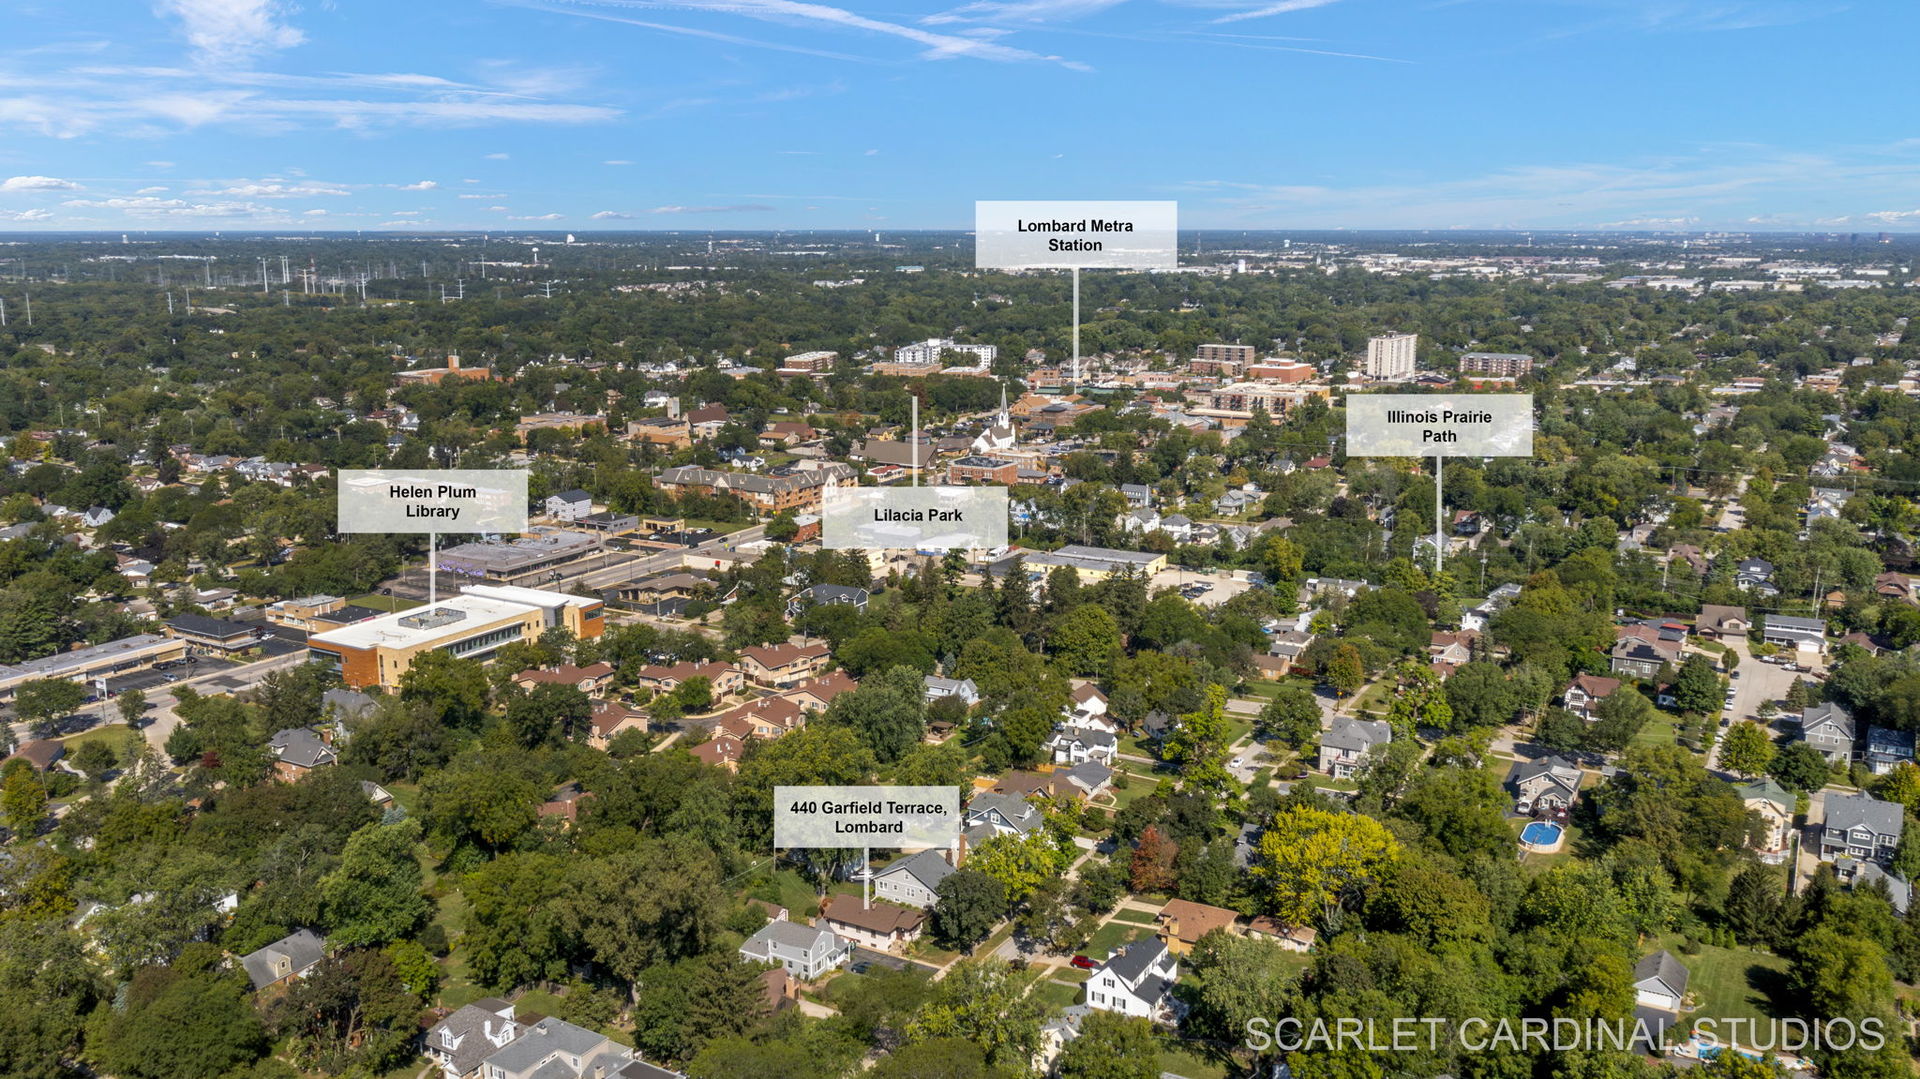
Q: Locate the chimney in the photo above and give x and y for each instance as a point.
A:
(453, 363)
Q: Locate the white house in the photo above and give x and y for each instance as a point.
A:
(1136, 980)
(1077, 745)
(963, 688)
(805, 951)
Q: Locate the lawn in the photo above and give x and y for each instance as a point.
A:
(1055, 995)
(1185, 1060)
(383, 603)
(1730, 983)
(1661, 730)
(123, 740)
(1133, 917)
(1114, 935)
(1374, 698)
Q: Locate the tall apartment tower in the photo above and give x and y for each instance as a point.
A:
(1391, 355)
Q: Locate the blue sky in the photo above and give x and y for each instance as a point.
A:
(747, 114)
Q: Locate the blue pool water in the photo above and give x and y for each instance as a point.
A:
(1540, 834)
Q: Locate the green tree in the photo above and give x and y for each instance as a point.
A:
(1800, 767)
(1313, 862)
(1747, 750)
(42, 700)
(453, 690)
(1019, 863)
(1697, 688)
(1085, 641)
(888, 711)
(515, 935)
(178, 1022)
(1481, 696)
(1198, 746)
(1346, 672)
(982, 1001)
(23, 800)
(550, 713)
(132, 706)
(1617, 719)
(1111, 1046)
(1292, 717)
(658, 902)
(351, 1012)
(969, 904)
(374, 896)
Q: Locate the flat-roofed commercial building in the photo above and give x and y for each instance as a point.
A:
(124, 656)
(472, 625)
(1092, 563)
(517, 559)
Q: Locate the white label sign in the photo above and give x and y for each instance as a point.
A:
(914, 518)
(1087, 235)
(866, 816)
(432, 500)
(1439, 425)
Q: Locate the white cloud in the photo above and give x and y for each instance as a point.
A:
(175, 208)
(424, 185)
(37, 183)
(1893, 216)
(232, 31)
(498, 209)
(403, 213)
(271, 189)
(498, 157)
(1022, 11)
(745, 208)
(316, 213)
(151, 191)
(616, 162)
(25, 215)
(612, 215)
(538, 217)
(160, 164)
(471, 195)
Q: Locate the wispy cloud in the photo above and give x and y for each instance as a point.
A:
(1713, 188)
(423, 185)
(737, 209)
(1022, 11)
(538, 217)
(25, 215)
(612, 215)
(1280, 7)
(271, 189)
(795, 13)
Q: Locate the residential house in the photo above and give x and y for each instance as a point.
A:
(1690, 556)
(557, 1049)
(1087, 707)
(343, 705)
(783, 666)
(1084, 780)
(1894, 586)
(461, 1041)
(290, 957)
(882, 926)
(1584, 694)
(1756, 575)
(1860, 827)
(707, 420)
(963, 688)
(1481, 616)
(1718, 622)
(1075, 745)
(297, 751)
(1550, 783)
(805, 952)
(815, 695)
(1775, 806)
(41, 753)
(1660, 981)
(1449, 648)
(609, 719)
(589, 679)
(724, 679)
(1181, 923)
(1803, 635)
(1639, 651)
(569, 505)
(1138, 495)
(1888, 749)
(1137, 980)
(825, 595)
(1899, 889)
(992, 814)
(914, 880)
(1345, 747)
(1830, 729)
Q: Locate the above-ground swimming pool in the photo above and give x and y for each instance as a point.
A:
(1543, 836)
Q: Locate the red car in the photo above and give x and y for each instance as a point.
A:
(1084, 963)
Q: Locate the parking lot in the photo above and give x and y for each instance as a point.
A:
(1220, 585)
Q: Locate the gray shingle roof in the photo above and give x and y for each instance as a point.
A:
(927, 867)
(300, 950)
(301, 747)
(788, 935)
(545, 1037)
(1358, 735)
(1662, 966)
(1846, 812)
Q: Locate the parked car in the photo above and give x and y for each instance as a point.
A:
(1084, 963)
